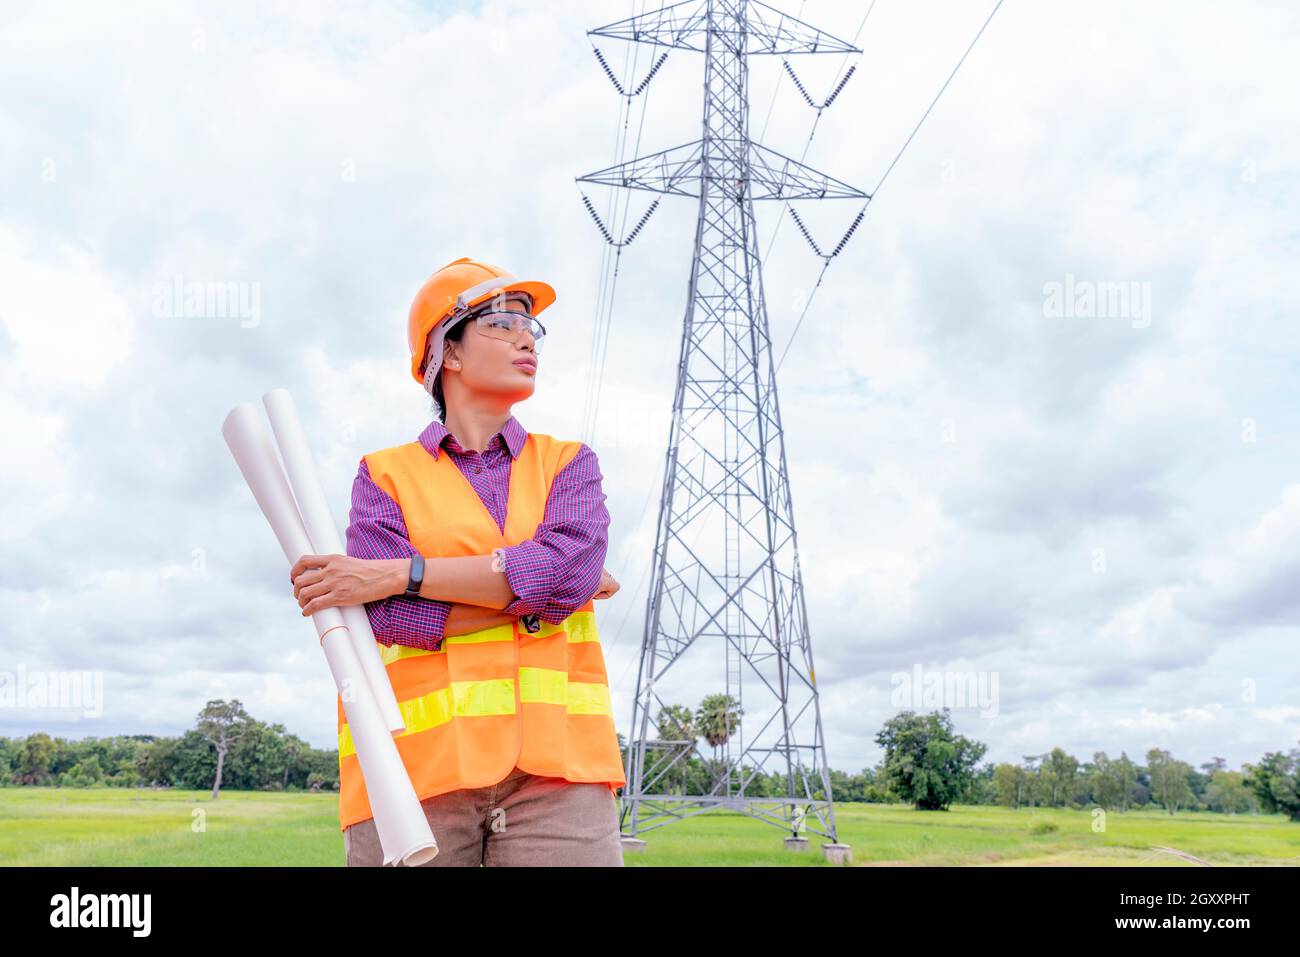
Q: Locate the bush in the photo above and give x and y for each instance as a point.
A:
(83, 774)
(125, 778)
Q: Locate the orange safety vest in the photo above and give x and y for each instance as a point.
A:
(498, 698)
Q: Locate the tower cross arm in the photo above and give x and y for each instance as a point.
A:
(773, 175)
(685, 26)
(678, 171)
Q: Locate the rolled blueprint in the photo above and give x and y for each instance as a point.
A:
(324, 535)
(400, 821)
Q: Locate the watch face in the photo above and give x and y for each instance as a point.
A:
(416, 577)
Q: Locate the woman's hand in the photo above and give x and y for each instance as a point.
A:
(322, 581)
(608, 585)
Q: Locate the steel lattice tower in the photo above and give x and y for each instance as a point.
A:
(726, 575)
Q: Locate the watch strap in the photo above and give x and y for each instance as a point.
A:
(416, 578)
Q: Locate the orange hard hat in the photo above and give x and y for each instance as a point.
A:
(448, 295)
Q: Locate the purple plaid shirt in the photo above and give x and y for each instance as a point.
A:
(552, 574)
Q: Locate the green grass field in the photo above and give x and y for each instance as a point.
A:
(64, 826)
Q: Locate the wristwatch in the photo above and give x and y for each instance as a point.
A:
(416, 578)
(531, 623)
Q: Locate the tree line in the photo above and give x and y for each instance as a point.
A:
(226, 748)
(925, 764)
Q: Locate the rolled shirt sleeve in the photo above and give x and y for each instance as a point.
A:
(377, 530)
(557, 571)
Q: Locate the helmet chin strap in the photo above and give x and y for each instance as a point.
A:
(430, 371)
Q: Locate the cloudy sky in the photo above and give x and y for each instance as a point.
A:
(1100, 507)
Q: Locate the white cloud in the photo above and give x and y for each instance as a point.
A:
(1254, 578)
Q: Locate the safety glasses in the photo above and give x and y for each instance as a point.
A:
(511, 327)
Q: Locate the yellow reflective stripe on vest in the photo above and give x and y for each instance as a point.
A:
(493, 697)
(543, 686)
(589, 698)
(551, 686)
(391, 653)
(462, 699)
(581, 626)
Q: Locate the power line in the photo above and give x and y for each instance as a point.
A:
(605, 284)
(816, 119)
(826, 264)
(600, 340)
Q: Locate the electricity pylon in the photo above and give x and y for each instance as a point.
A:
(726, 590)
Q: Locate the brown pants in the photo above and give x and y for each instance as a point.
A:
(522, 821)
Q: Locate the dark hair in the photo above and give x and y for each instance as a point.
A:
(451, 335)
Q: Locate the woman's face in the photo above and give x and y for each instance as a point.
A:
(491, 365)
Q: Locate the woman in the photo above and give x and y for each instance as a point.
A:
(478, 550)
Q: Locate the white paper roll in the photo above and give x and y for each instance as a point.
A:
(300, 467)
(400, 821)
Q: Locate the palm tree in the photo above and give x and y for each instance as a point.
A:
(717, 719)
